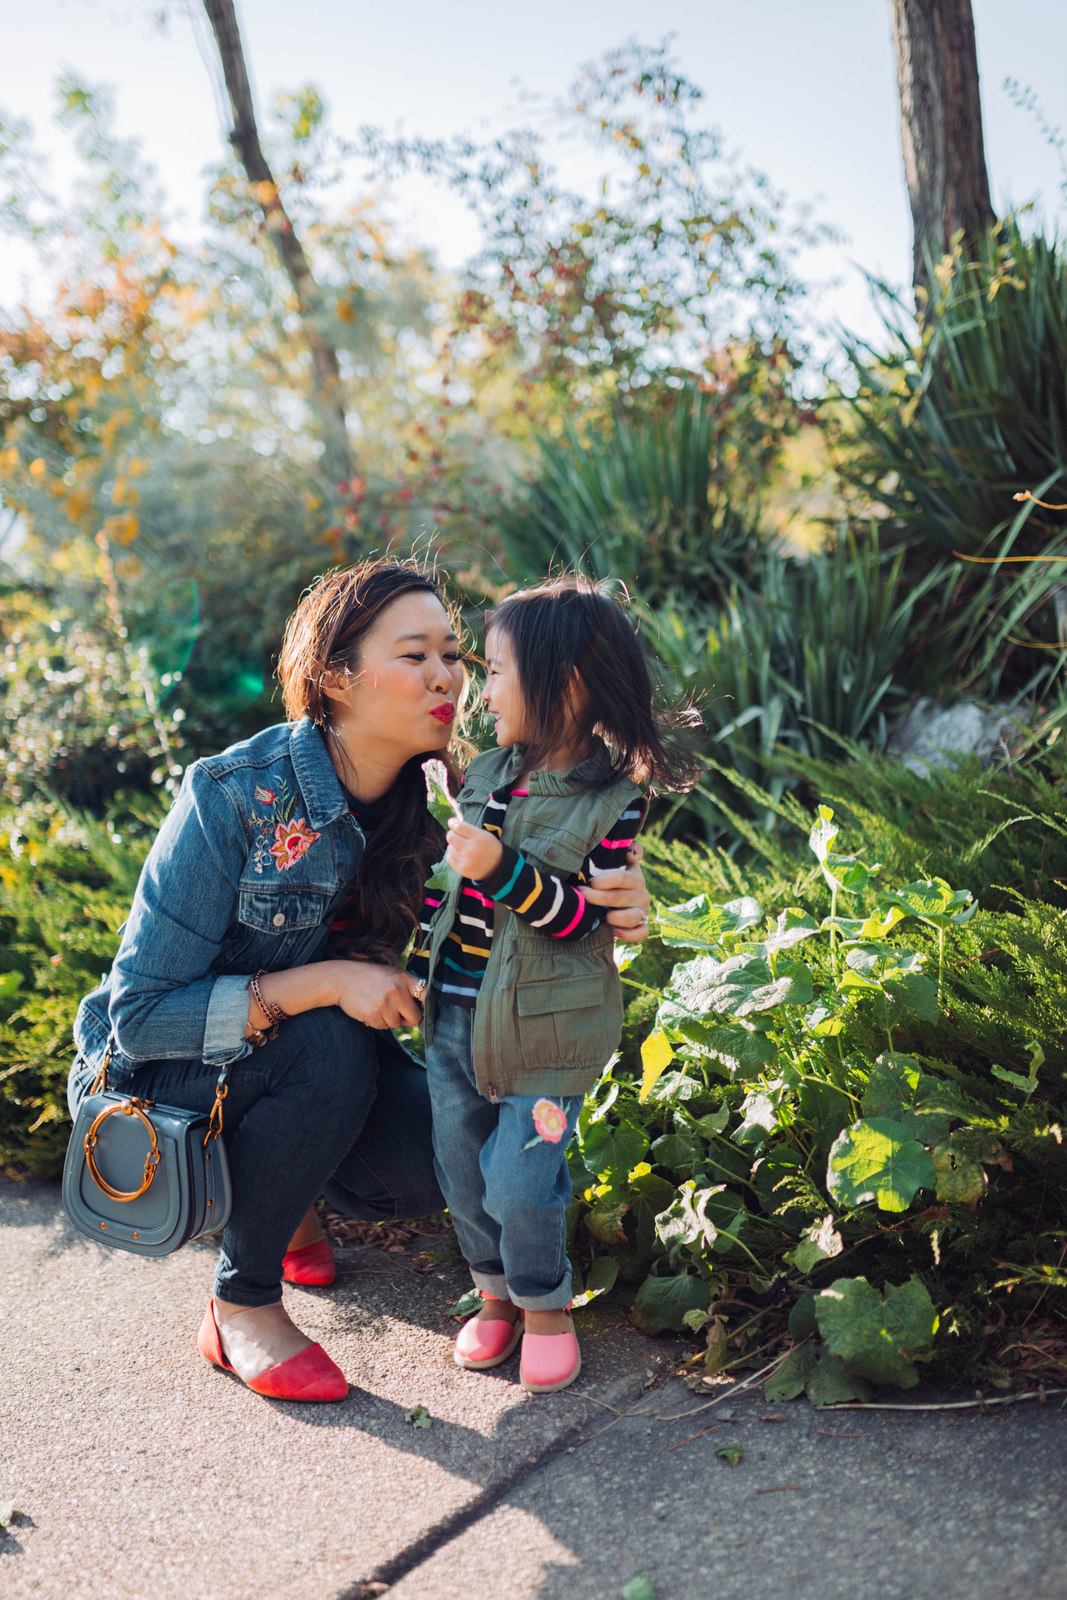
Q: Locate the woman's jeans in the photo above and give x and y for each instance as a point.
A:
(508, 1203)
(308, 1113)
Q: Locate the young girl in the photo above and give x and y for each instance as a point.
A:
(524, 1006)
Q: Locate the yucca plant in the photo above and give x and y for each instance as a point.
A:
(957, 419)
(648, 498)
(804, 661)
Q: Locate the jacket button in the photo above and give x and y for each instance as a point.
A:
(278, 919)
(552, 853)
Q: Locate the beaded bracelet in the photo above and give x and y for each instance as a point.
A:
(274, 1014)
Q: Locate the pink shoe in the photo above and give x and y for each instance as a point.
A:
(312, 1264)
(549, 1361)
(486, 1341)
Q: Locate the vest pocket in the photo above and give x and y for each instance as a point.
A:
(567, 1022)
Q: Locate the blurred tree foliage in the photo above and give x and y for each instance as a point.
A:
(158, 442)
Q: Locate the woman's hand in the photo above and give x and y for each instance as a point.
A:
(472, 851)
(624, 891)
(380, 997)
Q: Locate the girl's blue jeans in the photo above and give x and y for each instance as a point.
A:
(508, 1203)
(308, 1113)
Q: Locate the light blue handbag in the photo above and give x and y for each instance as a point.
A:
(146, 1177)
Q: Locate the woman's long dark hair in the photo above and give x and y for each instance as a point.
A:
(323, 638)
(574, 647)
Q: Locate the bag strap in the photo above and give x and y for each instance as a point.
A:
(214, 1126)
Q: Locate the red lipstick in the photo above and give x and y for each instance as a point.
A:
(445, 713)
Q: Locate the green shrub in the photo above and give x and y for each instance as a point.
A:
(804, 660)
(649, 496)
(850, 1100)
(66, 882)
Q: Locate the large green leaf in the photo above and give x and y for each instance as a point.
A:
(684, 1223)
(911, 997)
(876, 1335)
(612, 1152)
(840, 872)
(820, 1242)
(898, 1089)
(604, 1219)
(677, 1151)
(648, 1195)
(662, 1303)
(759, 1119)
(738, 987)
(792, 927)
(832, 1384)
(791, 1378)
(698, 924)
(877, 964)
(961, 1177)
(599, 1279)
(933, 901)
(744, 1050)
(877, 1159)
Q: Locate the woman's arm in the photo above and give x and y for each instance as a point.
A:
(376, 995)
(165, 1002)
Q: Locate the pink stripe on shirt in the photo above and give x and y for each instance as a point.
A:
(563, 932)
(482, 901)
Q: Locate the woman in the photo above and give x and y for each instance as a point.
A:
(265, 936)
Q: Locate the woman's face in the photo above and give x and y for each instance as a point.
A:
(401, 699)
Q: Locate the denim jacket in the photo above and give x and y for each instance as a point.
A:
(245, 874)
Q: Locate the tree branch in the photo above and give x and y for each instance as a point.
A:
(327, 390)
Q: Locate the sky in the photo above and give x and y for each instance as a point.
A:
(803, 89)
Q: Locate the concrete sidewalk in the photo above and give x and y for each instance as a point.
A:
(140, 1469)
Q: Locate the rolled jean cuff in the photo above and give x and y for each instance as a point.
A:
(246, 1297)
(493, 1283)
(558, 1300)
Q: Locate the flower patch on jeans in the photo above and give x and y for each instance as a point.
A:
(550, 1120)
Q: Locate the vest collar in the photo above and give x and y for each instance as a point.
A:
(591, 773)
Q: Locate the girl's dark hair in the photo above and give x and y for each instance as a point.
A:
(570, 637)
(324, 636)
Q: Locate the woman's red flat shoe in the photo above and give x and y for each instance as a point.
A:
(311, 1264)
(309, 1375)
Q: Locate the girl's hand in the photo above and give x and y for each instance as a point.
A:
(381, 997)
(472, 851)
(623, 889)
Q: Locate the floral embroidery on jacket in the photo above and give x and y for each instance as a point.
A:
(291, 839)
(294, 839)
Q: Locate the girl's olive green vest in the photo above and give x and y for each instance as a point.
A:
(549, 1011)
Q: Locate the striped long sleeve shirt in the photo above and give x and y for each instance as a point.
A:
(544, 901)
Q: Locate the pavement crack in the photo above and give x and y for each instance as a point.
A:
(420, 1550)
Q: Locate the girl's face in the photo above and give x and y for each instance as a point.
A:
(401, 700)
(503, 693)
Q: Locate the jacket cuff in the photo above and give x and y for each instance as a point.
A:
(226, 1021)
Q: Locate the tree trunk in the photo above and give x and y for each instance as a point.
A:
(940, 124)
(327, 390)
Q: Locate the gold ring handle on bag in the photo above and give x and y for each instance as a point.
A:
(130, 1108)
